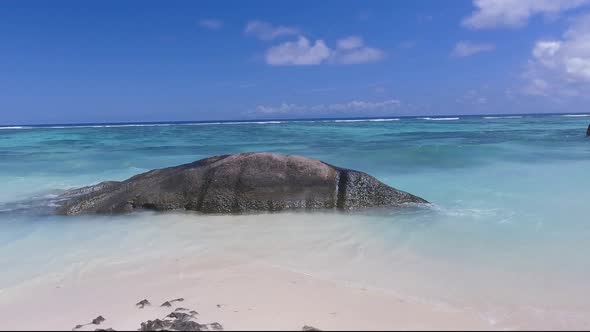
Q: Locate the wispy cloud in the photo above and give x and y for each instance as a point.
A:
(515, 13)
(350, 43)
(355, 106)
(352, 50)
(473, 97)
(211, 24)
(349, 50)
(266, 31)
(467, 48)
(407, 44)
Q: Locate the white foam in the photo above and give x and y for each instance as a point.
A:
(110, 126)
(230, 123)
(502, 117)
(144, 125)
(382, 120)
(364, 120)
(440, 119)
(576, 115)
(14, 127)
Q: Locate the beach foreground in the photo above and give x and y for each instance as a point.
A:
(239, 296)
(271, 271)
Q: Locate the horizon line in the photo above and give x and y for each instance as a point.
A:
(285, 119)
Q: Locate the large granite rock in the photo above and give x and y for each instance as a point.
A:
(238, 183)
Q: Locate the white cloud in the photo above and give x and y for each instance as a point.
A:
(561, 66)
(355, 106)
(515, 13)
(350, 50)
(467, 48)
(350, 42)
(266, 31)
(211, 24)
(300, 52)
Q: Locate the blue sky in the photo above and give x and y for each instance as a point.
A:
(112, 61)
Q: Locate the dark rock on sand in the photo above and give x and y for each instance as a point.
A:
(215, 327)
(98, 320)
(169, 302)
(178, 325)
(309, 328)
(155, 325)
(180, 315)
(238, 183)
(143, 303)
(188, 325)
(109, 329)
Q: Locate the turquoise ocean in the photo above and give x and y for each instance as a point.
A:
(507, 235)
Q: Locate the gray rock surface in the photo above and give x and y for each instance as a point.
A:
(238, 183)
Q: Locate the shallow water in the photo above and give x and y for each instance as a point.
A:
(508, 233)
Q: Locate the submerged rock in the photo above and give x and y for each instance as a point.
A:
(238, 183)
(588, 131)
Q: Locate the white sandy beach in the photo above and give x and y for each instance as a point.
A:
(250, 297)
(269, 271)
